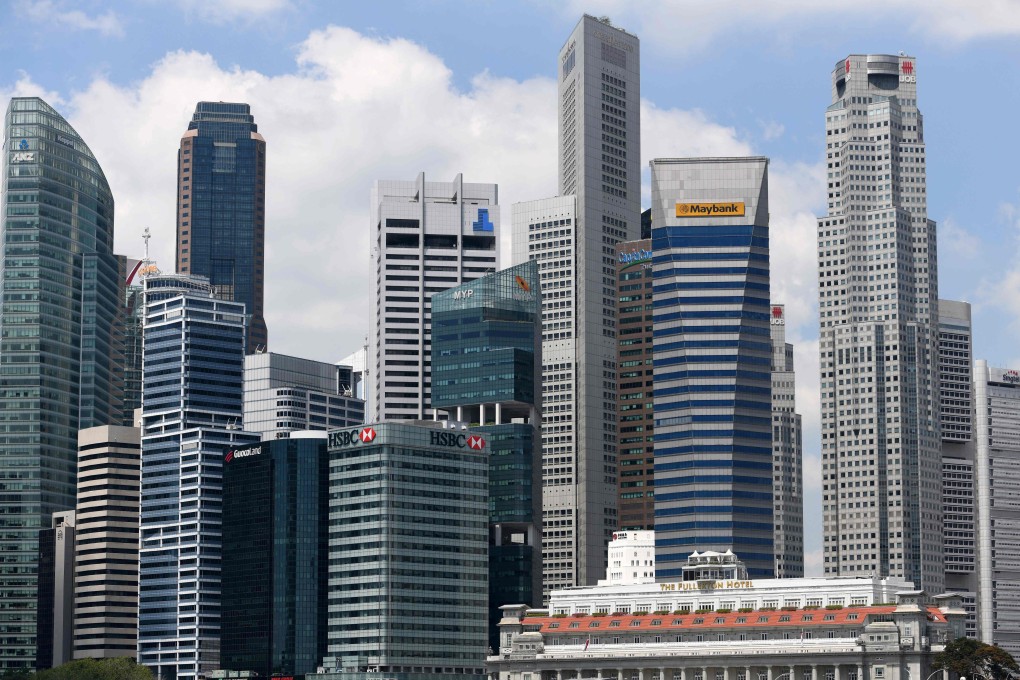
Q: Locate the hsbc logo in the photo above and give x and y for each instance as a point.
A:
(448, 438)
(365, 435)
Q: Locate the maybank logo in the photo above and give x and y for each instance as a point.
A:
(710, 209)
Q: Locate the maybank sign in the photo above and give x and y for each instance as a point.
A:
(733, 209)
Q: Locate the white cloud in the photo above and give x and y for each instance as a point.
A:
(813, 563)
(690, 25)
(956, 241)
(771, 130)
(353, 109)
(54, 13)
(221, 11)
(26, 87)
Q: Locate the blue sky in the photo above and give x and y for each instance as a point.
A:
(349, 92)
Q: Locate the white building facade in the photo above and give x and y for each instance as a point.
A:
(878, 308)
(631, 558)
(787, 454)
(725, 629)
(598, 109)
(997, 469)
(425, 237)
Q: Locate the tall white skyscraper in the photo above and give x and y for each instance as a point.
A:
(997, 438)
(878, 306)
(787, 454)
(425, 237)
(573, 236)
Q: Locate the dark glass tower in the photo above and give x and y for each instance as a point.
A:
(275, 557)
(221, 208)
(486, 363)
(59, 293)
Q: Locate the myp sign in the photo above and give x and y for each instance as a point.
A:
(483, 223)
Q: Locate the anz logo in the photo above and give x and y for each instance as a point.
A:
(483, 223)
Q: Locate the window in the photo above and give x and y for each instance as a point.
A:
(764, 636)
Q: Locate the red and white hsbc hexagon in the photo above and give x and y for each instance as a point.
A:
(476, 442)
(367, 434)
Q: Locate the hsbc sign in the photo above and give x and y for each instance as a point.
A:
(436, 437)
(450, 438)
(364, 435)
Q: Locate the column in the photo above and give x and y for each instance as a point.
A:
(860, 672)
(559, 674)
(769, 671)
(748, 675)
(499, 413)
(619, 674)
(835, 672)
(481, 421)
(814, 671)
(793, 673)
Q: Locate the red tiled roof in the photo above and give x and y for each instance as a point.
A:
(778, 618)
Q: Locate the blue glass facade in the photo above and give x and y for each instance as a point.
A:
(59, 296)
(275, 539)
(221, 200)
(486, 359)
(192, 391)
(712, 364)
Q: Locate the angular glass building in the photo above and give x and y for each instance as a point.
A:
(221, 208)
(192, 392)
(275, 538)
(59, 293)
(486, 373)
(712, 362)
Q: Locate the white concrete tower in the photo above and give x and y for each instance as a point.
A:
(878, 306)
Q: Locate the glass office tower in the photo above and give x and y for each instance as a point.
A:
(407, 553)
(221, 208)
(275, 538)
(192, 391)
(486, 372)
(712, 353)
(59, 293)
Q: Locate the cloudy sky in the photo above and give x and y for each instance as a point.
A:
(349, 92)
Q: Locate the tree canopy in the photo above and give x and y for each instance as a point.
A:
(967, 656)
(122, 668)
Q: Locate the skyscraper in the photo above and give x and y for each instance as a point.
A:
(192, 392)
(106, 564)
(878, 345)
(221, 208)
(275, 555)
(959, 493)
(486, 371)
(573, 237)
(635, 402)
(997, 434)
(425, 237)
(713, 357)
(787, 454)
(414, 501)
(59, 297)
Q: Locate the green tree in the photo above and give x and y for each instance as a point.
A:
(967, 656)
(122, 668)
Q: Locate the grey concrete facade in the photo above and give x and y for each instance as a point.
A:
(106, 565)
(787, 454)
(997, 478)
(878, 345)
(959, 495)
(424, 237)
(283, 394)
(599, 146)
